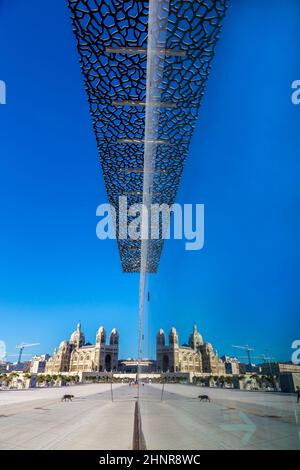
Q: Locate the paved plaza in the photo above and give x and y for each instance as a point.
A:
(234, 419)
(37, 419)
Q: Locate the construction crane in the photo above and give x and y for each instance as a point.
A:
(21, 347)
(13, 355)
(262, 357)
(245, 348)
(266, 358)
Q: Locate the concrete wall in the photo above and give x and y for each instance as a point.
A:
(289, 382)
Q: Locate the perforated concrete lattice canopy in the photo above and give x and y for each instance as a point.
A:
(113, 40)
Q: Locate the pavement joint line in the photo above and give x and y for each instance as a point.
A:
(138, 439)
(170, 419)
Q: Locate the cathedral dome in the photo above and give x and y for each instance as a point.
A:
(195, 339)
(77, 337)
(63, 345)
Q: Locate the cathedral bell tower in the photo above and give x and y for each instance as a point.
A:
(173, 351)
(99, 349)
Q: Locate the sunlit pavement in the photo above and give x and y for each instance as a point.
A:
(37, 419)
(233, 419)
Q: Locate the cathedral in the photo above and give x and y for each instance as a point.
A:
(196, 356)
(76, 355)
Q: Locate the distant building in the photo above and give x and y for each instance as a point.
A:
(20, 366)
(77, 356)
(197, 356)
(3, 367)
(38, 364)
(277, 368)
(131, 365)
(232, 365)
(246, 368)
(9, 366)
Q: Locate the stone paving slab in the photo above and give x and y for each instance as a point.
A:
(242, 420)
(39, 420)
(90, 421)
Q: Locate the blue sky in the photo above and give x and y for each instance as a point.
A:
(244, 165)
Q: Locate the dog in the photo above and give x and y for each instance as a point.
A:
(204, 398)
(67, 397)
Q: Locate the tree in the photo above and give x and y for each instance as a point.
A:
(48, 379)
(40, 379)
(6, 379)
(228, 380)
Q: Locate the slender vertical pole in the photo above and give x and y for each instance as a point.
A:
(111, 388)
(157, 32)
(162, 392)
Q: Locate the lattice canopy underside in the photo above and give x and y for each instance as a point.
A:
(112, 43)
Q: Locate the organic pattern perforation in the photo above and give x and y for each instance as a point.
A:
(114, 76)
